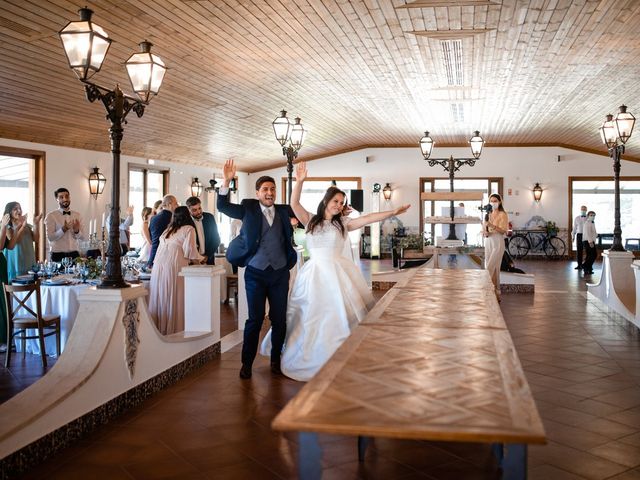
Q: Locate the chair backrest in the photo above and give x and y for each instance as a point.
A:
(16, 302)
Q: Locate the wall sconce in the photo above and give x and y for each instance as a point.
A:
(212, 185)
(196, 188)
(96, 182)
(386, 192)
(537, 192)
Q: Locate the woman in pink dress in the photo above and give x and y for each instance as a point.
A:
(177, 249)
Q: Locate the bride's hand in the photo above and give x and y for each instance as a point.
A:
(401, 210)
(301, 171)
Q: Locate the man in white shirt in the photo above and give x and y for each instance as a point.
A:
(64, 228)
(576, 234)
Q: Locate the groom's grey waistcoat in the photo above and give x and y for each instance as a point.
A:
(271, 248)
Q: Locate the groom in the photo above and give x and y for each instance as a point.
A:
(264, 247)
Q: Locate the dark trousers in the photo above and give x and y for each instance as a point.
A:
(58, 256)
(587, 266)
(262, 285)
(579, 249)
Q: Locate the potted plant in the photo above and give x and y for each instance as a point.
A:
(552, 229)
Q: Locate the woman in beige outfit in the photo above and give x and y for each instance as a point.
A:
(177, 249)
(494, 229)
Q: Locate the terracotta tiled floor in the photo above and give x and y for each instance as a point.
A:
(581, 362)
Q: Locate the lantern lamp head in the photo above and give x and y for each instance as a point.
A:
(146, 72)
(196, 187)
(476, 143)
(426, 145)
(85, 44)
(97, 182)
(537, 192)
(386, 192)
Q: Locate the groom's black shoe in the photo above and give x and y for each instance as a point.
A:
(245, 372)
(275, 368)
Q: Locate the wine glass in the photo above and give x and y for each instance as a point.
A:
(84, 272)
(66, 261)
(35, 268)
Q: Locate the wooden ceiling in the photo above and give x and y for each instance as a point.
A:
(360, 73)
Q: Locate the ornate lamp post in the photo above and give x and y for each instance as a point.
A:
(86, 46)
(294, 134)
(452, 165)
(615, 134)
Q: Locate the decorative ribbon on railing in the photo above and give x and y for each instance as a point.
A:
(130, 321)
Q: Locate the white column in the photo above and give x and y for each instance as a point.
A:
(202, 298)
(243, 309)
(636, 271)
(616, 287)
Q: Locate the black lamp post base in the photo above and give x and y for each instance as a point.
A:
(113, 283)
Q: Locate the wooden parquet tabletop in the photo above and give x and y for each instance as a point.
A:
(427, 363)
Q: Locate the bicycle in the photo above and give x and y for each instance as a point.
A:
(524, 240)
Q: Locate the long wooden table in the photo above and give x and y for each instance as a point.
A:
(432, 361)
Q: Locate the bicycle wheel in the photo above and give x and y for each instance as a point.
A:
(519, 246)
(555, 248)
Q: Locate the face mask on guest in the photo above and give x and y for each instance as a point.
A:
(583, 213)
(592, 218)
(494, 205)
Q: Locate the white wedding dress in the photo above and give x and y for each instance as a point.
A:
(328, 299)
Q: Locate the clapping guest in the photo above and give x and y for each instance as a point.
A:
(19, 248)
(64, 228)
(495, 226)
(177, 248)
(143, 254)
(125, 234)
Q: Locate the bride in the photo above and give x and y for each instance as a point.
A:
(329, 296)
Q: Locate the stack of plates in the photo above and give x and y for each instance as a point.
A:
(56, 281)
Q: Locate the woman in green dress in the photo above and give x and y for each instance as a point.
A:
(19, 248)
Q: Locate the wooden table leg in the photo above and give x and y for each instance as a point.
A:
(514, 463)
(363, 443)
(309, 456)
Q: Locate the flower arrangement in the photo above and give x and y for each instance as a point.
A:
(93, 267)
(552, 228)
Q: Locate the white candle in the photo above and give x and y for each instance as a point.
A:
(90, 227)
(103, 220)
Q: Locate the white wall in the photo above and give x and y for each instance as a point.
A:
(521, 168)
(70, 168)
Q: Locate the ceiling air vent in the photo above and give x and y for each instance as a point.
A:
(452, 56)
(457, 112)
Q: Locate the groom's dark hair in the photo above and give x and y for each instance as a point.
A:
(264, 179)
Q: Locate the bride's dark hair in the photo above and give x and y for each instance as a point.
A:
(319, 216)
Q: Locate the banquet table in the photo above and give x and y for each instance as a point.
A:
(56, 300)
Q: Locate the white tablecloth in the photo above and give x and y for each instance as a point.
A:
(56, 300)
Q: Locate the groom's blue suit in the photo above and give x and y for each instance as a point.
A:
(267, 253)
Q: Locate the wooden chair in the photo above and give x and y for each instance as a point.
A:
(20, 317)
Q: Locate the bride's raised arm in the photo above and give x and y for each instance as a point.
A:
(360, 222)
(303, 215)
